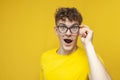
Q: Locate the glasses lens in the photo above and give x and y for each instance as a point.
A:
(62, 29)
(74, 29)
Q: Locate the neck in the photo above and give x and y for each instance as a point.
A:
(66, 52)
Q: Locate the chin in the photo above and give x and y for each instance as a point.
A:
(68, 48)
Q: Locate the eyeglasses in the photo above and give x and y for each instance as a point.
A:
(73, 29)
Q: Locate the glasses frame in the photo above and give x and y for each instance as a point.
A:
(68, 28)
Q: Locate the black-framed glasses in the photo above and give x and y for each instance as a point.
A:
(73, 29)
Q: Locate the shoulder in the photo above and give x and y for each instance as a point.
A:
(81, 51)
(46, 56)
(48, 53)
(81, 54)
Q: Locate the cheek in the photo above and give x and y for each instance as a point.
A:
(75, 36)
(60, 36)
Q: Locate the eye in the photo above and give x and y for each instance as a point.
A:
(74, 28)
(62, 27)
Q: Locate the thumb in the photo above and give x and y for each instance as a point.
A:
(82, 39)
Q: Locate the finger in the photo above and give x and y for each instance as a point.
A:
(83, 33)
(83, 30)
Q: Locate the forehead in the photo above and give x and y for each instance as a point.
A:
(67, 22)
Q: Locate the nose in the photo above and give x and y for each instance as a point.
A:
(68, 33)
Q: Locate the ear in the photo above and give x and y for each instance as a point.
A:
(56, 30)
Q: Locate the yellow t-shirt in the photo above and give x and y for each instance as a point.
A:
(64, 67)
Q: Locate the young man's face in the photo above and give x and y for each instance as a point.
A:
(67, 37)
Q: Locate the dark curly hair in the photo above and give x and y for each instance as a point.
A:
(71, 14)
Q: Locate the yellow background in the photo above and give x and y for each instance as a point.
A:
(27, 30)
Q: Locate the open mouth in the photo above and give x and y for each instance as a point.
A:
(68, 40)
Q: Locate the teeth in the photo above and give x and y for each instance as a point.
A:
(68, 40)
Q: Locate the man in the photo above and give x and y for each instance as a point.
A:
(70, 62)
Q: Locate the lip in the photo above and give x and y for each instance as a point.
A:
(67, 44)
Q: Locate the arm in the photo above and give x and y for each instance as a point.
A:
(97, 69)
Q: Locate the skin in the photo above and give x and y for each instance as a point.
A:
(64, 47)
(97, 69)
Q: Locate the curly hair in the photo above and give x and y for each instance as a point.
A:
(71, 14)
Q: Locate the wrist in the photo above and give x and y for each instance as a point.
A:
(89, 48)
(87, 44)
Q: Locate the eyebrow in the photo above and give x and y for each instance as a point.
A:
(61, 24)
(66, 25)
